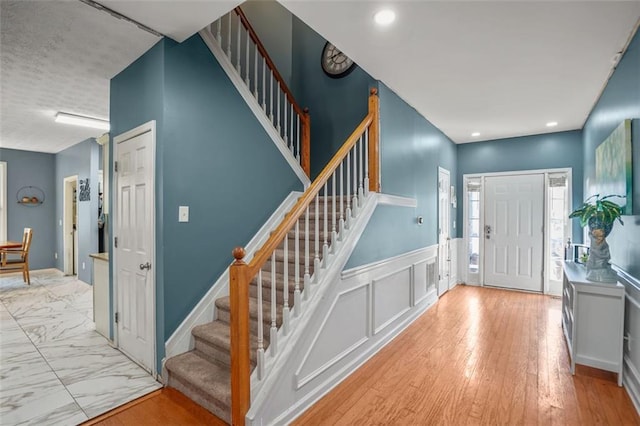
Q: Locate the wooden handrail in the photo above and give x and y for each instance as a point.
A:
(241, 273)
(305, 143)
(272, 66)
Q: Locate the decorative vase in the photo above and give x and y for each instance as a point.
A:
(598, 267)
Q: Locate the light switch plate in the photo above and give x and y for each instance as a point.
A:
(183, 214)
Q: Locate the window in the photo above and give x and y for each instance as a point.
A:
(473, 224)
(557, 214)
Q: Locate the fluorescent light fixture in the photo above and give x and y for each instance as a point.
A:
(384, 17)
(475, 134)
(552, 124)
(79, 120)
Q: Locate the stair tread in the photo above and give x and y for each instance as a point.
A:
(224, 303)
(219, 334)
(207, 377)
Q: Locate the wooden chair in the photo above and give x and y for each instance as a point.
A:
(12, 260)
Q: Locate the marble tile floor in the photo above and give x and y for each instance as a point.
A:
(55, 369)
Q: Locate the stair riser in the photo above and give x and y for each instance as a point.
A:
(266, 294)
(216, 407)
(221, 355)
(266, 268)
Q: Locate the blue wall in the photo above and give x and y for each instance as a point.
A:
(548, 151)
(336, 106)
(25, 168)
(411, 150)
(81, 160)
(212, 155)
(620, 100)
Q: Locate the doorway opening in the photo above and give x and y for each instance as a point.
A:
(70, 225)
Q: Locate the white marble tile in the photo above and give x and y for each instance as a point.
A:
(50, 408)
(59, 326)
(26, 380)
(104, 392)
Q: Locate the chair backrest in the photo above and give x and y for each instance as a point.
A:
(26, 242)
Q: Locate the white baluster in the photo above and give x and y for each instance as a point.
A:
(229, 38)
(316, 259)
(278, 110)
(366, 162)
(347, 223)
(354, 202)
(341, 223)
(325, 245)
(255, 72)
(296, 293)
(334, 233)
(307, 276)
(239, 47)
(260, 330)
(291, 131)
(285, 288)
(273, 336)
(360, 175)
(219, 31)
(298, 139)
(271, 99)
(264, 85)
(246, 65)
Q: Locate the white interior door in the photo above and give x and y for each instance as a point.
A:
(514, 217)
(70, 221)
(444, 258)
(134, 253)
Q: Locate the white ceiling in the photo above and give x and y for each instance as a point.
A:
(501, 68)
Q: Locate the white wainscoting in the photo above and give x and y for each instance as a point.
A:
(631, 352)
(366, 308)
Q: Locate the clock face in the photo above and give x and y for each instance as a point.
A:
(335, 63)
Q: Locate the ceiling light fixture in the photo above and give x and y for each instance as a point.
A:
(80, 120)
(552, 124)
(384, 17)
(475, 134)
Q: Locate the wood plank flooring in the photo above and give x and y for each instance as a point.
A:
(479, 356)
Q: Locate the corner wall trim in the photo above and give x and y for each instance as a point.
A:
(397, 200)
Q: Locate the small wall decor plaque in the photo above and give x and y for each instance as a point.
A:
(85, 190)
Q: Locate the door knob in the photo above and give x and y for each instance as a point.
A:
(146, 266)
(487, 231)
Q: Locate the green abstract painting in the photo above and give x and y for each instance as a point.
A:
(613, 166)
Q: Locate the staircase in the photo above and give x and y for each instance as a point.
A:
(204, 373)
(283, 281)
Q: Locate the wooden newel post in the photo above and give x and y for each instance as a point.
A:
(240, 367)
(374, 142)
(306, 143)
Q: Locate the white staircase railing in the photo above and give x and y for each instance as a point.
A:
(242, 47)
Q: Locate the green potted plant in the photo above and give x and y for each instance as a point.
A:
(599, 215)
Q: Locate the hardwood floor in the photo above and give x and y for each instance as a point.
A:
(479, 356)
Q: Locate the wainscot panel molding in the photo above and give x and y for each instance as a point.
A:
(365, 309)
(397, 200)
(631, 345)
(205, 311)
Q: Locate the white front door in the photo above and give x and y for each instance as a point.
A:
(514, 231)
(134, 241)
(444, 258)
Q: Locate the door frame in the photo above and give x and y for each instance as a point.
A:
(3, 201)
(447, 206)
(67, 223)
(148, 127)
(546, 259)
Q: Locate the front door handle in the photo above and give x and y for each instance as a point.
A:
(144, 266)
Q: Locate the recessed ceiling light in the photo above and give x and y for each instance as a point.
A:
(80, 120)
(552, 124)
(384, 17)
(475, 134)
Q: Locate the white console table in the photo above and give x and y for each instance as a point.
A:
(592, 320)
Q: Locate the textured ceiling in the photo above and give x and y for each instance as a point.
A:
(59, 56)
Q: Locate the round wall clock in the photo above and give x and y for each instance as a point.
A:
(335, 63)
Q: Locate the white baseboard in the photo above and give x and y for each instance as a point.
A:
(181, 339)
